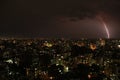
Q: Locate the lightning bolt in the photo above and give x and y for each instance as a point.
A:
(106, 29)
(105, 26)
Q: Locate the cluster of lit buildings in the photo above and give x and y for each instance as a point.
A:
(58, 59)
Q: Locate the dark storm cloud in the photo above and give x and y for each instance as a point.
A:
(30, 17)
(76, 8)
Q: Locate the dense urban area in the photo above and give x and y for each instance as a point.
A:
(59, 59)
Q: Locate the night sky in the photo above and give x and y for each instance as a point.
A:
(59, 18)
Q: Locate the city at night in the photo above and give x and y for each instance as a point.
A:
(60, 40)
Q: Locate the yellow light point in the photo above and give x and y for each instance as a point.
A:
(48, 44)
(92, 46)
(66, 69)
(118, 46)
(89, 76)
(51, 78)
